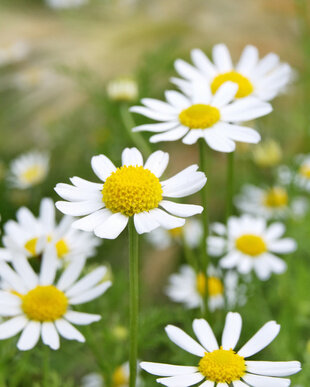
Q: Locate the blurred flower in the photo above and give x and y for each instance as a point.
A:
(134, 190)
(248, 244)
(222, 365)
(302, 177)
(33, 77)
(123, 89)
(29, 169)
(203, 115)
(264, 78)
(13, 53)
(40, 307)
(65, 4)
(191, 232)
(267, 154)
(120, 332)
(30, 236)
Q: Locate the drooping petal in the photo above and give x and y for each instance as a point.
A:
(166, 220)
(68, 331)
(30, 336)
(49, 335)
(145, 222)
(180, 209)
(112, 227)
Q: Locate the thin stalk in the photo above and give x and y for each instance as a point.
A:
(136, 138)
(134, 300)
(230, 184)
(46, 365)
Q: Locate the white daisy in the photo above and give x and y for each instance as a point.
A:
(223, 366)
(302, 177)
(267, 154)
(30, 235)
(262, 78)
(249, 244)
(29, 169)
(39, 306)
(134, 190)
(212, 117)
(123, 89)
(13, 52)
(65, 4)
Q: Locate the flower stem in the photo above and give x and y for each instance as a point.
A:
(46, 366)
(230, 184)
(134, 300)
(136, 138)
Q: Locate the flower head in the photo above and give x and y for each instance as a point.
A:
(267, 154)
(123, 89)
(203, 115)
(38, 305)
(302, 177)
(132, 190)
(222, 365)
(65, 4)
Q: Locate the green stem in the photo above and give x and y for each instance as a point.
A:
(134, 300)
(189, 255)
(230, 184)
(205, 221)
(46, 365)
(136, 138)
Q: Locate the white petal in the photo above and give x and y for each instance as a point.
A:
(48, 266)
(261, 339)
(71, 274)
(205, 335)
(277, 265)
(181, 380)
(90, 294)
(219, 142)
(186, 70)
(232, 330)
(264, 381)
(12, 278)
(207, 383)
(171, 135)
(47, 213)
(193, 136)
(230, 260)
(112, 227)
(68, 331)
(102, 166)
(178, 100)
(273, 368)
(30, 336)
(245, 109)
(7, 310)
(87, 282)
(165, 220)
(25, 218)
(161, 369)
(283, 246)
(90, 222)
(225, 94)
(154, 115)
(239, 133)
(238, 383)
(179, 209)
(275, 231)
(248, 60)
(157, 163)
(25, 271)
(145, 222)
(184, 341)
(203, 63)
(77, 194)
(79, 208)
(131, 156)
(221, 58)
(266, 64)
(85, 184)
(49, 335)
(79, 318)
(13, 326)
(156, 128)
(157, 105)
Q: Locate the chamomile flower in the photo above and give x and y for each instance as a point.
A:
(262, 78)
(38, 305)
(123, 89)
(203, 115)
(267, 154)
(249, 244)
(222, 365)
(133, 190)
(29, 169)
(13, 52)
(65, 4)
(302, 176)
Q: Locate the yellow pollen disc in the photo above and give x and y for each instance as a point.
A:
(62, 248)
(33, 174)
(222, 366)
(31, 246)
(305, 171)
(199, 116)
(131, 190)
(176, 232)
(276, 197)
(245, 86)
(215, 286)
(119, 378)
(251, 244)
(44, 303)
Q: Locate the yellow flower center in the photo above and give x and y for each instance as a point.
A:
(131, 190)
(62, 248)
(305, 171)
(251, 244)
(176, 232)
(245, 86)
(222, 366)
(199, 116)
(215, 286)
(33, 174)
(44, 303)
(31, 246)
(276, 197)
(119, 378)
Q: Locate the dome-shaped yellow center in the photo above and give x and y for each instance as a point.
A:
(119, 378)
(276, 197)
(33, 174)
(245, 86)
(62, 248)
(131, 190)
(44, 303)
(305, 171)
(222, 366)
(215, 286)
(250, 244)
(199, 116)
(31, 246)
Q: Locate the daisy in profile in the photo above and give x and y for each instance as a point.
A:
(29, 169)
(38, 305)
(123, 89)
(261, 78)
(132, 190)
(223, 366)
(216, 118)
(249, 244)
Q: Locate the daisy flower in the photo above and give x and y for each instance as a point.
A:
(133, 190)
(123, 89)
(267, 154)
(262, 78)
(203, 115)
(302, 177)
(29, 169)
(249, 244)
(40, 306)
(222, 366)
